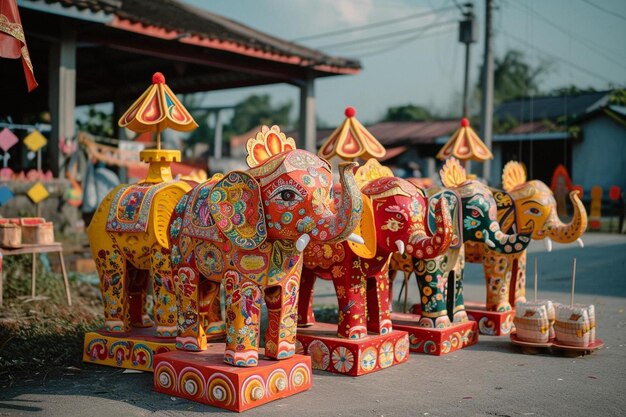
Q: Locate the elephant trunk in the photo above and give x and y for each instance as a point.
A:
(343, 221)
(561, 232)
(431, 246)
(501, 242)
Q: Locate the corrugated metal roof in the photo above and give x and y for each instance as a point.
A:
(550, 108)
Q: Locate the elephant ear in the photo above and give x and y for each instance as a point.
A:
(367, 230)
(454, 205)
(513, 174)
(237, 209)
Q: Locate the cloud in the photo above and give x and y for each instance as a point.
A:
(351, 11)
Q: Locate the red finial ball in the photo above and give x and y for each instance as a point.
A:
(464, 122)
(158, 78)
(350, 111)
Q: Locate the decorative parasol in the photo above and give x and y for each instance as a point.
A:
(157, 109)
(351, 140)
(464, 145)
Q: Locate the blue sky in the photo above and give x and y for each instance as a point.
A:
(584, 39)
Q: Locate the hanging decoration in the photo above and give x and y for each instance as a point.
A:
(37, 193)
(13, 41)
(6, 195)
(7, 141)
(465, 145)
(351, 140)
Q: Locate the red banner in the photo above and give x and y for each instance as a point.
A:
(13, 41)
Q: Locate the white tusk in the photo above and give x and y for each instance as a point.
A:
(580, 242)
(548, 244)
(302, 242)
(400, 245)
(356, 239)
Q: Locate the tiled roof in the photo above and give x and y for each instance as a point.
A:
(550, 108)
(196, 25)
(411, 133)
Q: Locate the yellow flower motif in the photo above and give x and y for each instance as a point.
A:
(428, 291)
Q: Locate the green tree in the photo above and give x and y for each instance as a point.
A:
(514, 77)
(98, 123)
(257, 110)
(409, 112)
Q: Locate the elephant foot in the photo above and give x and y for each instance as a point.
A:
(460, 317)
(355, 332)
(384, 327)
(146, 321)
(247, 358)
(435, 322)
(166, 331)
(191, 344)
(283, 350)
(521, 299)
(115, 326)
(500, 307)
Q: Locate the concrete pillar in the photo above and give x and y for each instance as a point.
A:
(62, 93)
(217, 151)
(307, 129)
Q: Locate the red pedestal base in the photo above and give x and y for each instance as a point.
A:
(435, 341)
(352, 356)
(205, 378)
(492, 323)
(134, 350)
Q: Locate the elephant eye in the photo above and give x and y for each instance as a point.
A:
(534, 211)
(286, 194)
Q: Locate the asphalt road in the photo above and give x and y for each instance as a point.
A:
(492, 378)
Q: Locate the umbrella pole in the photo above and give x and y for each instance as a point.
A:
(158, 139)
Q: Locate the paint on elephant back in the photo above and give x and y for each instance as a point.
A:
(130, 208)
(324, 255)
(201, 225)
(454, 205)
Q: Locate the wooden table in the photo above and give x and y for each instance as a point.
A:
(34, 250)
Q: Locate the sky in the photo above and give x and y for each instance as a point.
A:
(419, 60)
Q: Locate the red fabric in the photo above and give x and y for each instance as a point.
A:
(13, 41)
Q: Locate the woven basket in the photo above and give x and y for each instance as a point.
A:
(531, 322)
(10, 235)
(38, 234)
(572, 325)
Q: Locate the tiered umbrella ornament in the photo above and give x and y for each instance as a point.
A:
(352, 140)
(154, 111)
(465, 145)
(157, 109)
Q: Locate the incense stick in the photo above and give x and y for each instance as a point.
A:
(535, 279)
(571, 301)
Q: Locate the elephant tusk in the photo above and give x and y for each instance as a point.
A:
(302, 242)
(548, 244)
(580, 242)
(400, 245)
(356, 239)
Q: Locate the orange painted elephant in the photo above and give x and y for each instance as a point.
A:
(522, 205)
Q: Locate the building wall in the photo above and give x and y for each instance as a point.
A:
(600, 157)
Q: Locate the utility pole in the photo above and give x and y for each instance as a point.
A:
(486, 108)
(467, 35)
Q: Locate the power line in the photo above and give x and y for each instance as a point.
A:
(373, 25)
(593, 47)
(402, 43)
(385, 36)
(607, 11)
(558, 58)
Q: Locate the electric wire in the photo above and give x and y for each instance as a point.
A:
(607, 11)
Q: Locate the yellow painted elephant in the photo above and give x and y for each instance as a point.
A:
(128, 236)
(522, 205)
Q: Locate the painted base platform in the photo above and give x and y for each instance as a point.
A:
(134, 350)
(531, 348)
(351, 356)
(205, 378)
(435, 341)
(492, 323)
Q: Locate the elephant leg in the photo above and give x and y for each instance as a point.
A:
(459, 315)
(518, 279)
(111, 266)
(210, 308)
(306, 317)
(243, 314)
(378, 305)
(350, 287)
(164, 294)
(190, 334)
(138, 281)
(497, 268)
(282, 307)
(432, 279)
